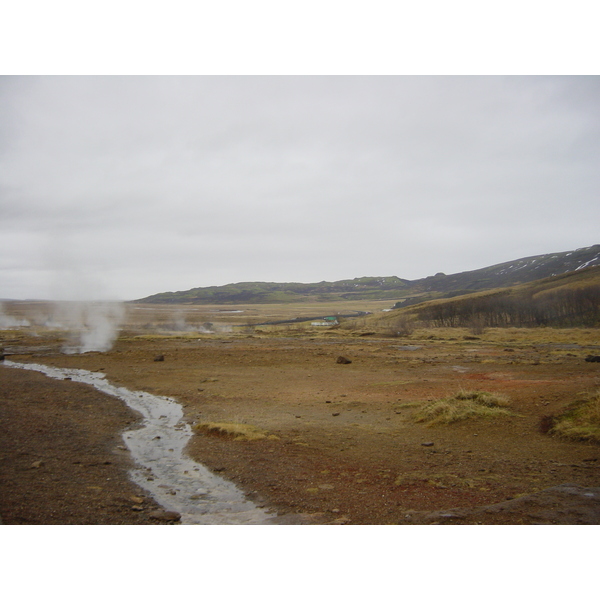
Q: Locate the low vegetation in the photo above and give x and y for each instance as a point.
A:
(581, 421)
(237, 431)
(463, 405)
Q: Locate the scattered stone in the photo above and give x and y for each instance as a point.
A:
(67, 379)
(342, 360)
(335, 414)
(590, 358)
(136, 499)
(566, 504)
(36, 464)
(165, 515)
(159, 358)
(137, 507)
(427, 444)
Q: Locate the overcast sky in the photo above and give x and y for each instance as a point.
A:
(122, 187)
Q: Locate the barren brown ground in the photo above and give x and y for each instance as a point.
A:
(346, 448)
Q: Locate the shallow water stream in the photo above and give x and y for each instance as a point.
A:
(176, 482)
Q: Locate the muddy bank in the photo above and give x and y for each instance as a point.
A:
(62, 459)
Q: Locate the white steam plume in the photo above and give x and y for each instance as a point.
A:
(93, 326)
(9, 322)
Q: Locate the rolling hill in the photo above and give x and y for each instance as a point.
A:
(403, 291)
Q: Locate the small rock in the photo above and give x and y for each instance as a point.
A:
(36, 464)
(426, 443)
(136, 499)
(159, 358)
(342, 360)
(137, 507)
(335, 414)
(592, 358)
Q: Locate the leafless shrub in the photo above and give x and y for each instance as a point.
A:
(401, 327)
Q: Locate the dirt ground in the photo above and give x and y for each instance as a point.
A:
(341, 446)
(62, 460)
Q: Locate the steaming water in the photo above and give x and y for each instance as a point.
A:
(176, 482)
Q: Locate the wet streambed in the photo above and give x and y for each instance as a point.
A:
(175, 481)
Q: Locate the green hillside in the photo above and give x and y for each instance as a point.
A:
(403, 291)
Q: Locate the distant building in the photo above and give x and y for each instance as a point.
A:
(325, 322)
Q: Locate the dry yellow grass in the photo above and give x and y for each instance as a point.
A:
(581, 421)
(238, 431)
(463, 405)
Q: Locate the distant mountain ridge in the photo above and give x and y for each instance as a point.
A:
(407, 292)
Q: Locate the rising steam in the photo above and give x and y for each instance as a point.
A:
(10, 322)
(93, 326)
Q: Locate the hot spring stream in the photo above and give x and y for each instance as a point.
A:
(176, 482)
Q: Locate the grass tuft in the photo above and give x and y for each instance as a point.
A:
(463, 405)
(581, 421)
(237, 431)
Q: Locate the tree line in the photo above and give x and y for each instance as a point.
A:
(563, 307)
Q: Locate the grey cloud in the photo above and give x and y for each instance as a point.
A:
(170, 183)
